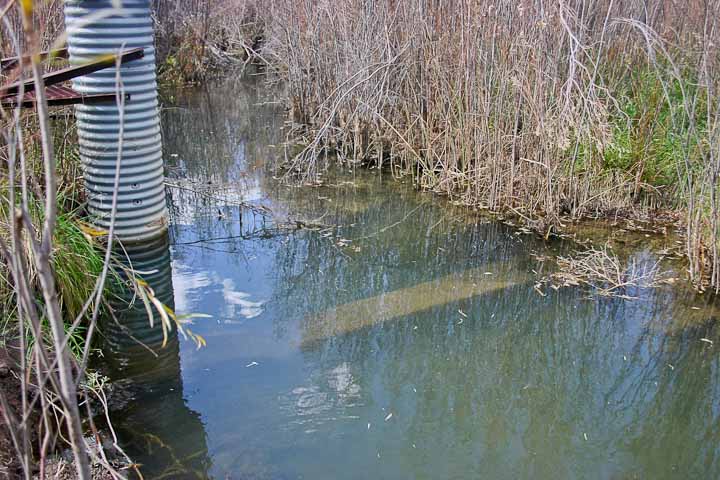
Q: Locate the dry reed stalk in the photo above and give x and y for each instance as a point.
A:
(605, 274)
(506, 104)
(196, 37)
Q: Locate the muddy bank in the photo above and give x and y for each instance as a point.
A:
(10, 386)
(57, 466)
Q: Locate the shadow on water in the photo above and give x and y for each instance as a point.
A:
(399, 339)
(147, 377)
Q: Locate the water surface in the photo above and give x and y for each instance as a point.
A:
(397, 338)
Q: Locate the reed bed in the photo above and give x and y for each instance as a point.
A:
(197, 39)
(550, 109)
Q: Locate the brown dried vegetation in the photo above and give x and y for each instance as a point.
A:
(549, 108)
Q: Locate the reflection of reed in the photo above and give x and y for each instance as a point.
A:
(315, 274)
(156, 427)
(525, 379)
(219, 143)
(519, 384)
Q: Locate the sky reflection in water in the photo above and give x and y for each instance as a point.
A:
(406, 342)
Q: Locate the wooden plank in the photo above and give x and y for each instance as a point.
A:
(69, 73)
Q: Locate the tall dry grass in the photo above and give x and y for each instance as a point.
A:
(199, 38)
(548, 108)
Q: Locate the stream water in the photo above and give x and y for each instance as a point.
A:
(396, 338)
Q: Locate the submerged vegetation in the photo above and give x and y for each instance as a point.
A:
(606, 275)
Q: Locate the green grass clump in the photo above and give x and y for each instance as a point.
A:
(77, 263)
(653, 132)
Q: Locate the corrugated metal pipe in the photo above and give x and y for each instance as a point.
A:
(94, 28)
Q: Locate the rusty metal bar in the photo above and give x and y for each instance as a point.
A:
(11, 62)
(58, 95)
(69, 73)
